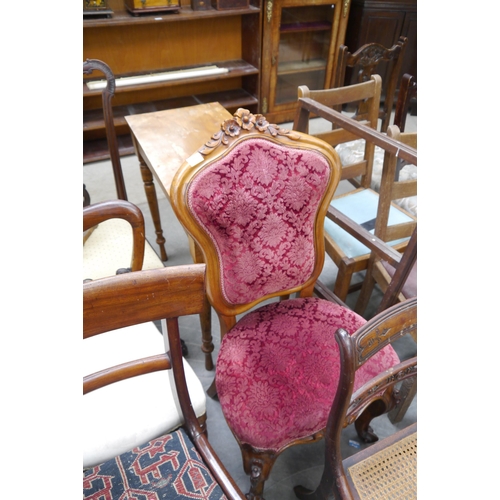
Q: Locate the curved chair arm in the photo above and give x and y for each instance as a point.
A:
(120, 209)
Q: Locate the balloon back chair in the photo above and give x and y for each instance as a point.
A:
(155, 446)
(254, 198)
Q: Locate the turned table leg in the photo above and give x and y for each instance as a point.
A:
(149, 188)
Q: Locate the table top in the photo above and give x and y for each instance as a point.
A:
(165, 139)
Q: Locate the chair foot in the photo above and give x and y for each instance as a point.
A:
(185, 350)
(362, 423)
(303, 493)
(212, 390)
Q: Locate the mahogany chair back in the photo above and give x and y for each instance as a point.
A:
(89, 66)
(407, 93)
(365, 62)
(356, 350)
(133, 299)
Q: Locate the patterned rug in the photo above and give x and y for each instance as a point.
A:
(165, 468)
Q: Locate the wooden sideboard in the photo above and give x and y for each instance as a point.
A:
(150, 43)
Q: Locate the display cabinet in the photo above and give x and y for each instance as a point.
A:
(383, 21)
(148, 44)
(300, 47)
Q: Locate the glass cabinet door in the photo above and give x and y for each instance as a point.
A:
(305, 37)
(301, 40)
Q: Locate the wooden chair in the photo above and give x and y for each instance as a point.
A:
(89, 66)
(254, 199)
(174, 462)
(360, 204)
(115, 243)
(407, 92)
(365, 62)
(357, 173)
(378, 270)
(386, 469)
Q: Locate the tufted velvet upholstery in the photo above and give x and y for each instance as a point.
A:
(278, 370)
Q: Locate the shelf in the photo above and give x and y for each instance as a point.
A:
(301, 66)
(123, 18)
(305, 26)
(237, 68)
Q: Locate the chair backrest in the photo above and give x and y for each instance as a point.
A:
(367, 92)
(134, 298)
(89, 66)
(366, 61)
(393, 188)
(355, 350)
(407, 92)
(254, 198)
(120, 209)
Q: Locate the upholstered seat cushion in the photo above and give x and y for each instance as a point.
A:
(164, 468)
(128, 413)
(361, 206)
(109, 248)
(278, 369)
(354, 151)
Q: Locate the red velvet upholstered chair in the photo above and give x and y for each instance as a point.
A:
(254, 199)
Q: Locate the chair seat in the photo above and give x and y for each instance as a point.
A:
(410, 287)
(145, 404)
(353, 152)
(278, 368)
(109, 248)
(166, 467)
(361, 206)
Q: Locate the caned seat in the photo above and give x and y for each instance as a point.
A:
(386, 469)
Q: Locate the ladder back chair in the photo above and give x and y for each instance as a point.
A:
(360, 204)
(366, 61)
(174, 460)
(391, 191)
(387, 469)
(254, 199)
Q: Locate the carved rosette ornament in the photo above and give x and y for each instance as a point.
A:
(243, 120)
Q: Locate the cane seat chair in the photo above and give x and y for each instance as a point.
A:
(360, 204)
(366, 61)
(172, 462)
(386, 469)
(254, 198)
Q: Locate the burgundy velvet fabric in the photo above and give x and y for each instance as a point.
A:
(259, 204)
(277, 370)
